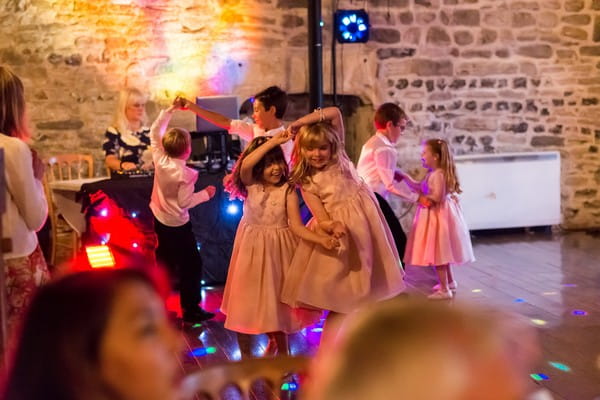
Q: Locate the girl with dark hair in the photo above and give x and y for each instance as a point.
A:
(264, 245)
(96, 335)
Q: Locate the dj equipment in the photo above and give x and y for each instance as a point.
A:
(131, 173)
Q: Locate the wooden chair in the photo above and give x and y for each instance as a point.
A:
(59, 168)
(210, 383)
(52, 215)
(70, 166)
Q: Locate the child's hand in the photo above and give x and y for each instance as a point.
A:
(424, 201)
(39, 168)
(294, 127)
(126, 166)
(211, 190)
(398, 175)
(337, 229)
(329, 242)
(180, 102)
(282, 136)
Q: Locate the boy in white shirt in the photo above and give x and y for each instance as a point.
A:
(172, 196)
(268, 107)
(377, 166)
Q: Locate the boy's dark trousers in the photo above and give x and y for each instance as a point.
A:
(394, 224)
(178, 252)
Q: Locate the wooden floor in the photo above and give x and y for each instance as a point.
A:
(552, 279)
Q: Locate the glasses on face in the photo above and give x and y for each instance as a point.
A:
(137, 105)
(403, 123)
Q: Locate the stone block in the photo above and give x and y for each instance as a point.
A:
(292, 21)
(388, 3)
(406, 18)
(487, 106)
(438, 36)
(596, 35)
(500, 18)
(292, 3)
(522, 19)
(574, 5)
(593, 51)
(487, 36)
(70, 124)
(432, 68)
(547, 141)
(458, 83)
(394, 52)
(577, 19)
(466, 17)
(535, 51)
(424, 18)
(476, 124)
(385, 35)
(574, 33)
(463, 38)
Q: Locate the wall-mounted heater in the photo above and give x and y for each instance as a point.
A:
(510, 190)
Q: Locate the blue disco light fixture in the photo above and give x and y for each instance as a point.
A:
(351, 26)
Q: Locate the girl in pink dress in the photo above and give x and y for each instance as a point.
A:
(263, 248)
(366, 267)
(439, 235)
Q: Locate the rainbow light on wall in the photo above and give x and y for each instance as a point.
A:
(193, 47)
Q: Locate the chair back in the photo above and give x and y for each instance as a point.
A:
(211, 382)
(70, 166)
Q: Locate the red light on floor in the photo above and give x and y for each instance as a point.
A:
(100, 256)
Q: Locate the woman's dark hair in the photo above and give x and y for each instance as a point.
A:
(57, 355)
(233, 182)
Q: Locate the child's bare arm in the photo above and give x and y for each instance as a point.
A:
(325, 222)
(253, 158)
(298, 228)
(159, 127)
(331, 114)
(437, 186)
(413, 184)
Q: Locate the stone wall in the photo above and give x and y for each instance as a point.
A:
(488, 75)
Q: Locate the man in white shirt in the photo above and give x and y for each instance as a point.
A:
(268, 108)
(377, 166)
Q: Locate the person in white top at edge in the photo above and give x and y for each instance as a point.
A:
(377, 166)
(268, 108)
(26, 206)
(172, 196)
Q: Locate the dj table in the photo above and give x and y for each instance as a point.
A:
(118, 214)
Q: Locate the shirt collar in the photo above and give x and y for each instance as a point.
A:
(272, 132)
(384, 139)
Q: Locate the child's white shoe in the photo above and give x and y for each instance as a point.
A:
(451, 285)
(441, 295)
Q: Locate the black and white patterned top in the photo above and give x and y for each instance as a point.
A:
(127, 147)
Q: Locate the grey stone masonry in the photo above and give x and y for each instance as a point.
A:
(487, 75)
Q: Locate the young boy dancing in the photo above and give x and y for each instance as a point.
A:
(172, 196)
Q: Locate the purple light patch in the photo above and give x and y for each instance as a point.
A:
(579, 312)
(569, 284)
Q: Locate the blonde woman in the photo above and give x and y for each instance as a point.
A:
(128, 137)
(26, 206)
